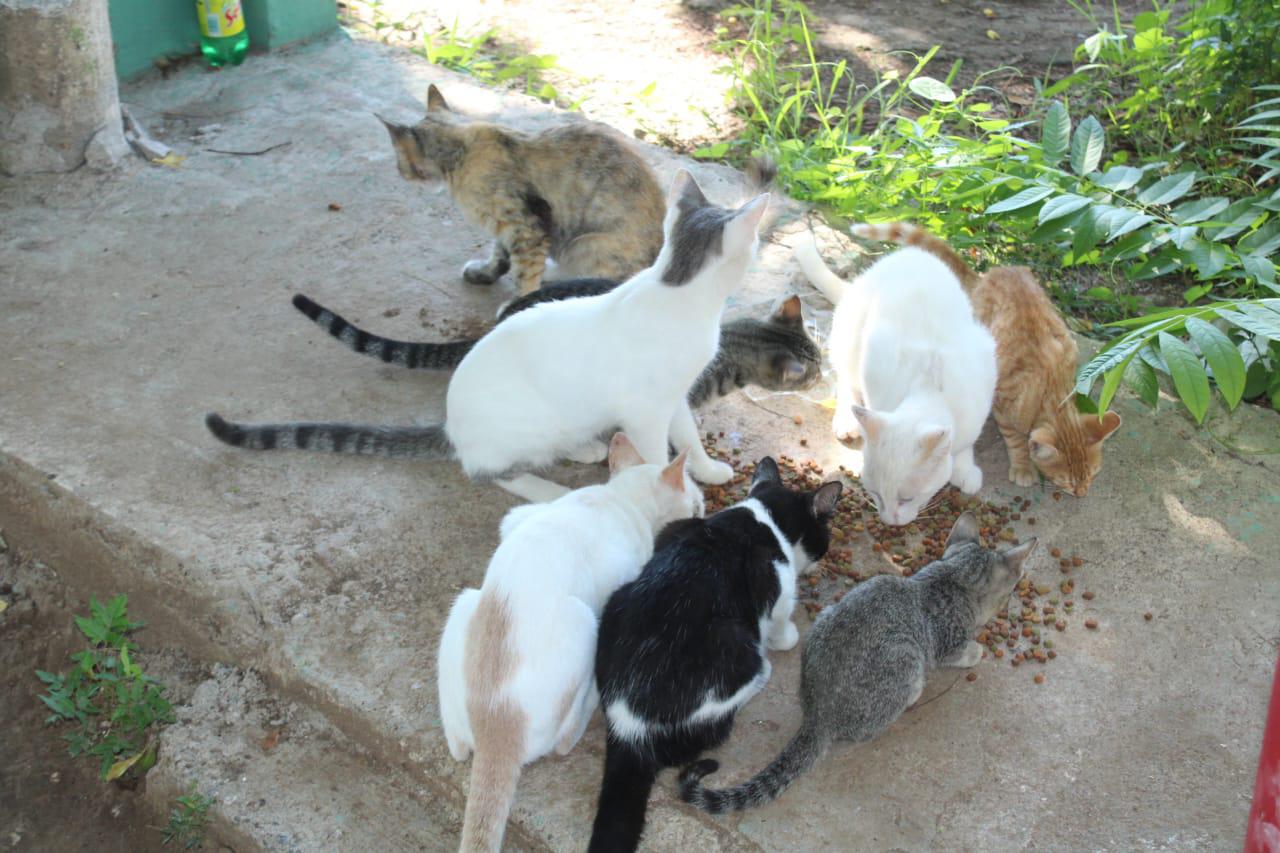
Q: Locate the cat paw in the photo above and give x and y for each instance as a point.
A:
(1022, 476)
(967, 480)
(711, 472)
(479, 272)
(591, 454)
(786, 639)
(459, 750)
(846, 426)
(966, 657)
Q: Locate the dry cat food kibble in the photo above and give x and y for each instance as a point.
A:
(1018, 633)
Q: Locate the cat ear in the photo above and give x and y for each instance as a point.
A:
(964, 531)
(788, 312)
(935, 441)
(750, 214)
(872, 422)
(766, 472)
(790, 369)
(673, 474)
(622, 453)
(1040, 451)
(435, 100)
(1099, 430)
(685, 192)
(825, 500)
(396, 130)
(1017, 555)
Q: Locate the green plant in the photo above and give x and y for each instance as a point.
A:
(481, 56)
(111, 702)
(188, 822)
(1234, 342)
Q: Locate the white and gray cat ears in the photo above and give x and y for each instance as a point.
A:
(967, 531)
(685, 196)
(623, 455)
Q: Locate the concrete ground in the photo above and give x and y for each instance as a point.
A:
(133, 303)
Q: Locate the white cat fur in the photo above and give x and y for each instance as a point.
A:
(546, 383)
(916, 374)
(555, 568)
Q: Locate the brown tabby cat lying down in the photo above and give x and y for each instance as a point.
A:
(575, 193)
(1036, 359)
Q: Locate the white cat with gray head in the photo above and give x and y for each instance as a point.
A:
(916, 374)
(549, 382)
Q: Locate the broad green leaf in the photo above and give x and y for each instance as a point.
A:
(1263, 269)
(1119, 178)
(1120, 222)
(1060, 206)
(1018, 200)
(1167, 190)
(1208, 258)
(1152, 357)
(1086, 146)
(1089, 231)
(1104, 361)
(1055, 136)
(1111, 383)
(1085, 405)
(1162, 262)
(1238, 216)
(1223, 357)
(1255, 383)
(1257, 117)
(1188, 374)
(934, 90)
(1264, 241)
(1198, 210)
(122, 766)
(1142, 381)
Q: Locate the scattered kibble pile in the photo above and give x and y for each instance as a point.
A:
(1021, 633)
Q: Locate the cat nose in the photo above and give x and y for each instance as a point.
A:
(1081, 491)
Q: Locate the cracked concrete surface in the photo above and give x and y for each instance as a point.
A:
(132, 303)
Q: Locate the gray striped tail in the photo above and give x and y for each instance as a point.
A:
(427, 356)
(797, 757)
(417, 442)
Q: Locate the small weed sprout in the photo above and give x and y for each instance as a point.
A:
(189, 820)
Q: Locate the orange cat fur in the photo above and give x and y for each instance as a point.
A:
(1036, 359)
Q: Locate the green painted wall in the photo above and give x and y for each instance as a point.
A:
(145, 30)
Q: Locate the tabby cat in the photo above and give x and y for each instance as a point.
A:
(775, 353)
(575, 193)
(1036, 360)
(866, 658)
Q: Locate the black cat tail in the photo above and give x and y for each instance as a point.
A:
(428, 356)
(797, 757)
(624, 797)
(429, 442)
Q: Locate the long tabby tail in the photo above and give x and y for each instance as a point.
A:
(796, 757)
(624, 798)
(429, 356)
(422, 442)
(907, 234)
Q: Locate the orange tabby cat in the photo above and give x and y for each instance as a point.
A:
(1036, 359)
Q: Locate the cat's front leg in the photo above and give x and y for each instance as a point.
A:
(965, 473)
(488, 271)
(684, 436)
(783, 633)
(844, 423)
(969, 655)
(590, 454)
(533, 489)
(1021, 470)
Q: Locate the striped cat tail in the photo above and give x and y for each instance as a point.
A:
(797, 757)
(906, 234)
(429, 442)
(817, 271)
(428, 356)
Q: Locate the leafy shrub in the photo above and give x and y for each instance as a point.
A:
(111, 702)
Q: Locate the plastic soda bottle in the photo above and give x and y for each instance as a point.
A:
(223, 38)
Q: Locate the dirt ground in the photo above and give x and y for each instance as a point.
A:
(50, 801)
(652, 67)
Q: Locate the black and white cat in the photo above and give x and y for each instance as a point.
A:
(682, 647)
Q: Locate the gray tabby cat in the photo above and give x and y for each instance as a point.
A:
(866, 658)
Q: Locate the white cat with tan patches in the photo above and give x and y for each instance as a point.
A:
(916, 374)
(516, 664)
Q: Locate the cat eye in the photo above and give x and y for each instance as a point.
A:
(904, 501)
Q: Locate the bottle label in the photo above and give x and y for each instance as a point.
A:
(220, 18)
